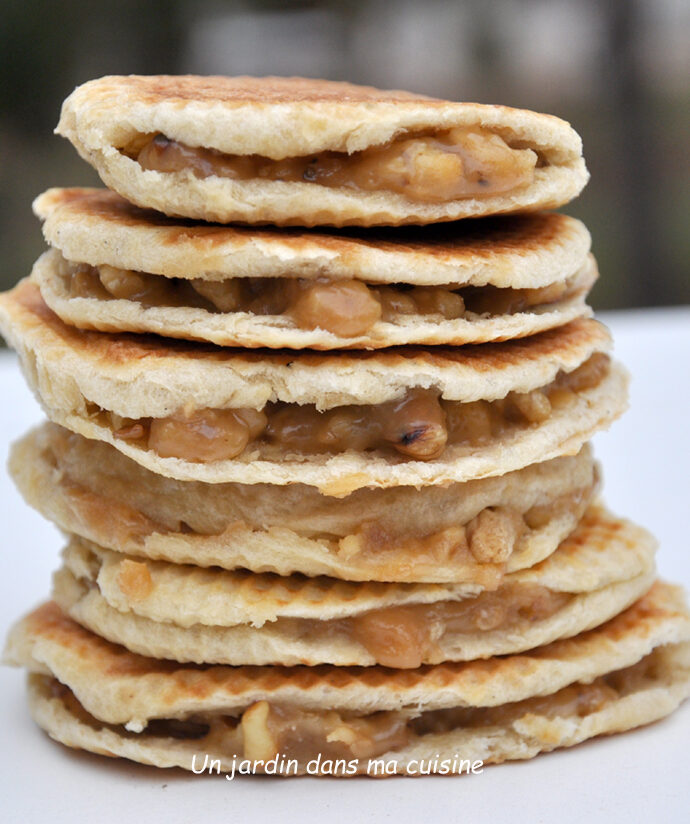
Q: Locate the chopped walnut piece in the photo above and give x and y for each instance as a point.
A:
(225, 295)
(205, 434)
(346, 308)
(588, 374)
(416, 425)
(269, 730)
(395, 302)
(469, 422)
(532, 406)
(394, 636)
(259, 742)
(493, 533)
(431, 300)
(561, 397)
(130, 432)
(134, 579)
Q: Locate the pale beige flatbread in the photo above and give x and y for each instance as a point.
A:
(631, 671)
(293, 117)
(96, 227)
(290, 643)
(601, 569)
(121, 687)
(75, 374)
(91, 489)
(187, 595)
(246, 329)
(598, 553)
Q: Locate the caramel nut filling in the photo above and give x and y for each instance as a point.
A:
(114, 502)
(208, 434)
(481, 547)
(268, 730)
(418, 426)
(575, 701)
(449, 165)
(488, 539)
(492, 535)
(347, 308)
(404, 637)
(265, 730)
(396, 637)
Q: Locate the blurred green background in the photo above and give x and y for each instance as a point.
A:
(618, 70)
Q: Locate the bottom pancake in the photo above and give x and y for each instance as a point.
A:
(631, 671)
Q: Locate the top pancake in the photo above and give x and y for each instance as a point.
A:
(279, 118)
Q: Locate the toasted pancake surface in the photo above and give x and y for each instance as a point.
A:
(118, 686)
(167, 262)
(98, 226)
(601, 551)
(215, 378)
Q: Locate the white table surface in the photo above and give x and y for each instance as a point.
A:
(639, 776)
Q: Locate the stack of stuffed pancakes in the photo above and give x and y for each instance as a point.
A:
(324, 472)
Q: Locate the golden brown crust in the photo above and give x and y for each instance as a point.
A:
(97, 226)
(308, 105)
(118, 686)
(233, 91)
(644, 693)
(602, 551)
(291, 641)
(251, 379)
